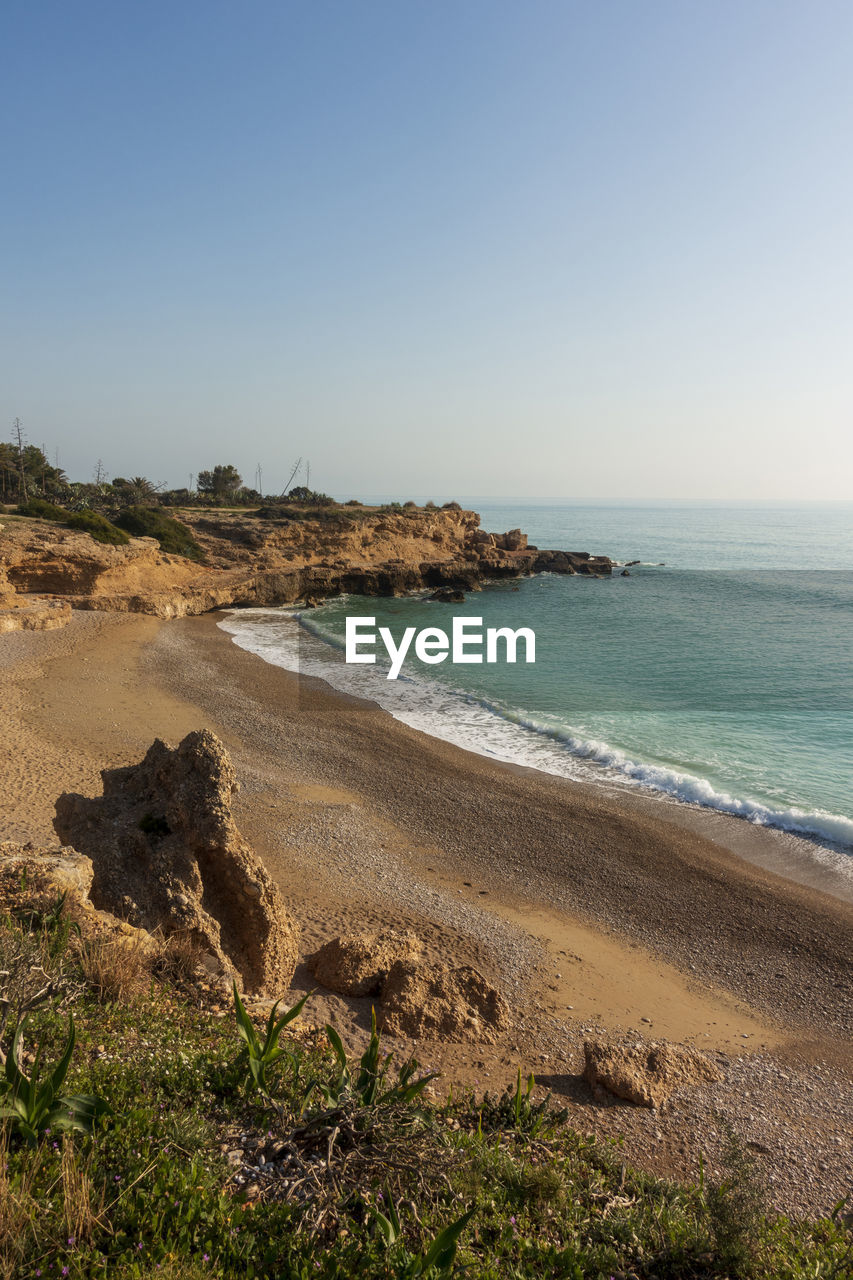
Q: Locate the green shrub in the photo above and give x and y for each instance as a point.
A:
(97, 526)
(41, 510)
(151, 522)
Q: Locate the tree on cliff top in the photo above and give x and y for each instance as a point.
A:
(139, 491)
(221, 482)
(24, 470)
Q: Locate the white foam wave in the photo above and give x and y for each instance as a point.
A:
(290, 640)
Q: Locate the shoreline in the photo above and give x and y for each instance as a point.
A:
(806, 860)
(592, 918)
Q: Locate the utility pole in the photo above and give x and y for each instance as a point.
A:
(296, 467)
(19, 433)
(259, 480)
(307, 475)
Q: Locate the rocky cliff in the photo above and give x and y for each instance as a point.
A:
(251, 560)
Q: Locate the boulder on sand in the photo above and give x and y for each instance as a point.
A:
(441, 1003)
(167, 855)
(359, 966)
(645, 1073)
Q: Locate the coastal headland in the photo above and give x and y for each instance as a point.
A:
(273, 556)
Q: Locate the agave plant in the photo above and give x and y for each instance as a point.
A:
(371, 1087)
(263, 1053)
(34, 1105)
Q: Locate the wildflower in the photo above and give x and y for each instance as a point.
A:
(71, 1240)
(205, 1257)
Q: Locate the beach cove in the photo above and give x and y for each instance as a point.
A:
(591, 915)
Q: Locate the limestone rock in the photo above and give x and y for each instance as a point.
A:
(645, 1073)
(55, 870)
(167, 855)
(32, 613)
(33, 878)
(442, 1003)
(359, 966)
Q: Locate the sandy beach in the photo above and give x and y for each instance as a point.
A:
(592, 913)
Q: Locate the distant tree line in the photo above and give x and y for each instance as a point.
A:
(29, 480)
(26, 473)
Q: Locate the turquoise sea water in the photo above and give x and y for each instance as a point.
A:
(723, 677)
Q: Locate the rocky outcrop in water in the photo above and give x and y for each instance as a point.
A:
(167, 855)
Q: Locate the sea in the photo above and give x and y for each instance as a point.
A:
(718, 673)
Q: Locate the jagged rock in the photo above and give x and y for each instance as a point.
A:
(515, 540)
(624, 574)
(448, 597)
(359, 966)
(167, 855)
(442, 1003)
(645, 1073)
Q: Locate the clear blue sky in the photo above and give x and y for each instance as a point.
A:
(593, 249)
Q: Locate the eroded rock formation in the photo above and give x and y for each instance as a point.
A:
(29, 613)
(166, 854)
(33, 878)
(645, 1073)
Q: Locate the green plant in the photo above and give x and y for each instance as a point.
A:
(41, 510)
(736, 1206)
(34, 1105)
(369, 1088)
(262, 1054)
(438, 1259)
(516, 1110)
(97, 526)
(150, 522)
(55, 924)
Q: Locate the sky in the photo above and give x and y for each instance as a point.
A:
(595, 250)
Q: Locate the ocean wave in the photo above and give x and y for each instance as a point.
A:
(505, 733)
